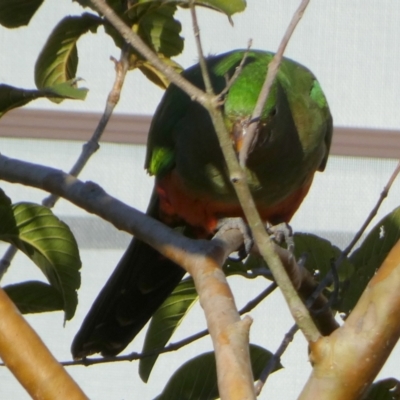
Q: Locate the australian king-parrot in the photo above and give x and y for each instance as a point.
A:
(192, 188)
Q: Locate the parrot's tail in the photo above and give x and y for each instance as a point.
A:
(141, 282)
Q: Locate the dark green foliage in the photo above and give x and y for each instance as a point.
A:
(165, 321)
(56, 66)
(370, 256)
(16, 13)
(386, 389)
(197, 378)
(12, 97)
(35, 297)
(58, 61)
(49, 243)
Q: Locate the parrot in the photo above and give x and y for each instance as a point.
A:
(192, 190)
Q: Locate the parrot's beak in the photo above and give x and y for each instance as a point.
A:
(238, 134)
(238, 144)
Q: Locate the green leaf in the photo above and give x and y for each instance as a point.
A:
(58, 61)
(165, 321)
(370, 256)
(320, 254)
(155, 76)
(158, 28)
(49, 243)
(5, 201)
(197, 378)
(169, 316)
(253, 263)
(34, 297)
(16, 13)
(12, 97)
(68, 90)
(386, 389)
(154, 22)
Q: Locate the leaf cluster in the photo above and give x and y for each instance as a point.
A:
(57, 64)
(50, 244)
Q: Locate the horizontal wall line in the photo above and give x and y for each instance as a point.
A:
(63, 125)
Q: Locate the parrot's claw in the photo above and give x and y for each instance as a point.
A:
(282, 233)
(238, 223)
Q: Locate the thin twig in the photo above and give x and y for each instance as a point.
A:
(224, 380)
(328, 277)
(135, 41)
(237, 72)
(305, 281)
(89, 148)
(257, 300)
(275, 359)
(173, 346)
(5, 262)
(273, 67)
(202, 60)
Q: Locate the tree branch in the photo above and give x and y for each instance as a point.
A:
(26, 356)
(276, 358)
(346, 362)
(135, 41)
(172, 346)
(201, 258)
(89, 148)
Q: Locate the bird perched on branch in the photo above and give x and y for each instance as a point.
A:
(192, 186)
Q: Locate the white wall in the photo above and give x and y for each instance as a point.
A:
(351, 47)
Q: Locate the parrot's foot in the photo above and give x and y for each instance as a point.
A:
(238, 223)
(282, 233)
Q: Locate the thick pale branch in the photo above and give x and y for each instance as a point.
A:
(95, 200)
(227, 330)
(201, 258)
(346, 362)
(29, 360)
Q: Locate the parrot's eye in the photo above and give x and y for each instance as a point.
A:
(273, 112)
